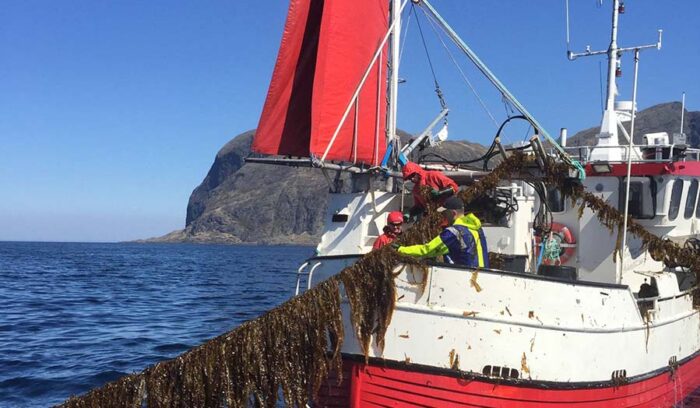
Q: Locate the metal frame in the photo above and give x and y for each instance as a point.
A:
(584, 153)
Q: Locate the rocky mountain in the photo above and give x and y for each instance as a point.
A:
(241, 202)
(665, 117)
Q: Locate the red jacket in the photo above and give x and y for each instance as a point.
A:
(385, 239)
(431, 178)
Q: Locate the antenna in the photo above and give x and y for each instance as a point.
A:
(682, 112)
(568, 40)
(608, 135)
(618, 51)
(600, 82)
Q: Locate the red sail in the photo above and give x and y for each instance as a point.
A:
(351, 33)
(285, 123)
(326, 49)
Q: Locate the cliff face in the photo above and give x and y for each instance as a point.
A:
(254, 203)
(242, 202)
(228, 160)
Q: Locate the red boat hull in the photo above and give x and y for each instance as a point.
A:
(407, 385)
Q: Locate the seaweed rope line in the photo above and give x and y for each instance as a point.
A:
(285, 348)
(295, 345)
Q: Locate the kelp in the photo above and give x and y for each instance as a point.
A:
(371, 292)
(294, 346)
(126, 392)
(291, 347)
(664, 250)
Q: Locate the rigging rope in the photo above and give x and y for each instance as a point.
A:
(459, 68)
(438, 91)
(497, 83)
(507, 106)
(405, 36)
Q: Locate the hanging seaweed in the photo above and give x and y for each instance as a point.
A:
(293, 347)
(660, 249)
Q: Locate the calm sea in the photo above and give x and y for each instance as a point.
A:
(75, 316)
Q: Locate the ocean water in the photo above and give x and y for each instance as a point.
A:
(74, 316)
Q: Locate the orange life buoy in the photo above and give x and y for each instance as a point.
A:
(566, 240)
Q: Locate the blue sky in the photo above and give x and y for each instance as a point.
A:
(111, 113)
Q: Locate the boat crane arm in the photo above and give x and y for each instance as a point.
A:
(462, 176)
(486, 71)
(426, 134)
(499, 85)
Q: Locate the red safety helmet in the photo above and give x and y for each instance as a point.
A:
(395, 217)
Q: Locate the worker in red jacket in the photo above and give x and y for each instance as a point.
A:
(441, 186)
(392, 230)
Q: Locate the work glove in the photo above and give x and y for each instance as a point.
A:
(395, 246)
(413, 215)
(409, 218)
(441, 193)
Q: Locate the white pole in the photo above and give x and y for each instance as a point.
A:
(682, 112)
(629, 166)
(394, 78)
(563, 133)
(568, 42)
(612, 59)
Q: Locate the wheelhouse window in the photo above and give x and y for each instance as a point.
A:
(555, 200)
(690, 200)
(676, 194)
(642, 197)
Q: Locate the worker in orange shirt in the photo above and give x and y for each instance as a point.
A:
(392, 230)
(441, 186)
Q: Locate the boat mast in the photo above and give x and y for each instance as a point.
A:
(394, 75)
(608, 128)
(608, 135)
(613, 63)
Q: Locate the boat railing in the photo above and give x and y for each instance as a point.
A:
(301, 273)
(640, 153)
(657, 298)
(648, 306)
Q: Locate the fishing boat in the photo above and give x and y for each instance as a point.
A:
(574, 315)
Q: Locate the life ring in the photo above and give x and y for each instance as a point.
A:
(566, 241)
